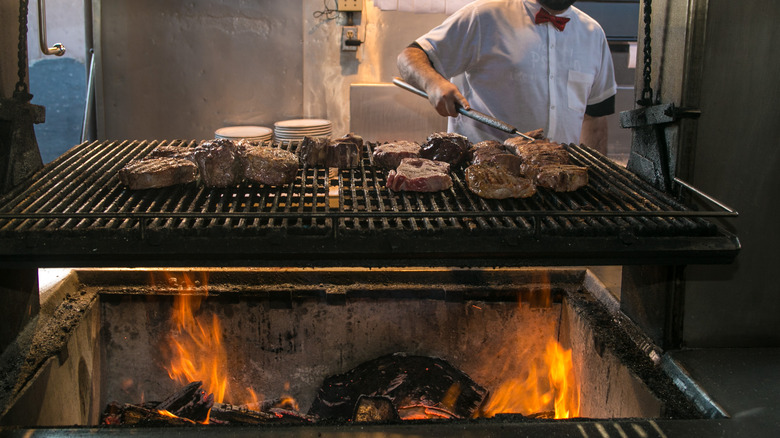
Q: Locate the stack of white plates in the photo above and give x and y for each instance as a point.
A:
(252, 133)
(298, 128)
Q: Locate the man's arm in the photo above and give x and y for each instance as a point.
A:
(594, 133)
(416, 69)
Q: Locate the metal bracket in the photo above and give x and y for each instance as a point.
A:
(651, 156)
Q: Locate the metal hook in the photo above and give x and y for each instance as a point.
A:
(58, 49)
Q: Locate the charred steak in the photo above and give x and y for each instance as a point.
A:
(491, 151)
(271, 166)
(389, 155)
(562, 177)
(446, 146)
(313, 150)
(219, 162)
(420, 175)
(494, 182)
(344, 152)
(152, 173)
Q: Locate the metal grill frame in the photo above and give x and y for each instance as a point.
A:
(75, 213)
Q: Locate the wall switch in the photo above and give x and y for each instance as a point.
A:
(349, 39)
(349, 5)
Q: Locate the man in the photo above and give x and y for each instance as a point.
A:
(532, 63)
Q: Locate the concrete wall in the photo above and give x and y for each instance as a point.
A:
(183, 69)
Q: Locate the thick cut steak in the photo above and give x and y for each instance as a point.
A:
(491, 151)
(344, 152)
(536, 154)
(389, 155)
(446, 146)
(562, 177)
(152, 173)
(313, 150)
(494, 182)
(420, 175)
(171, 151)
(271, 166)
(219, 163)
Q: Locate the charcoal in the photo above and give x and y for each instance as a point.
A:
(416, 385)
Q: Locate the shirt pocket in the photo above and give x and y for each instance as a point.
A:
(579, 89)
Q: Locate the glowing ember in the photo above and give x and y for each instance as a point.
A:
(550, 385)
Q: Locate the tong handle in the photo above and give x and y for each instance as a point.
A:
(471, 113)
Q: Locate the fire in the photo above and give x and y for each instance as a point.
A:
(549, 385)
(197, 350)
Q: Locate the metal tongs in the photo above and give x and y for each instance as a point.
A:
(471, 113)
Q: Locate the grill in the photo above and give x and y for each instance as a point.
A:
(75, 212)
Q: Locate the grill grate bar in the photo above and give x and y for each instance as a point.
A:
(80, 191)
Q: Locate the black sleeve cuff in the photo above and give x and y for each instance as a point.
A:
(603, 108)
(416, 45)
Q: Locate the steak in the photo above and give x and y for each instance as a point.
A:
(487, 180)
(153, 173)
(171, 151)
(344, 152)
(271, 166)
(219, 162)
(420, 175)
(389, 155)
(446, 146)
(536, 154)
(562, 177)
(491, 151)
(313, 150)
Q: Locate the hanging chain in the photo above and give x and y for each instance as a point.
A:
(647, 91)
(21, 91)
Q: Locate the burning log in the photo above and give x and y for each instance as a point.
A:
(191, 402)
(419, 387)
(224, 413)
(369, 409)
(134, 415)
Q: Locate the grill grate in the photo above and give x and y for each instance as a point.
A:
(76, 208)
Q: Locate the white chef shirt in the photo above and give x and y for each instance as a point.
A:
(531, 76)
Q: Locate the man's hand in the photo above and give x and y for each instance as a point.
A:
(416, 69)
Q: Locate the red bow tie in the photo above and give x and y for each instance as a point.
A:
(543, 17)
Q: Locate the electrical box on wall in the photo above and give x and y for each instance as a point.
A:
(349, 5)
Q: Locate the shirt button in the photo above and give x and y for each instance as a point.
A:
(552, 107)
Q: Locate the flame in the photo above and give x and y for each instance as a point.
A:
(549, 385)
(197, 350)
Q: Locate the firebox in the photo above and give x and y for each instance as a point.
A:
(284, 331)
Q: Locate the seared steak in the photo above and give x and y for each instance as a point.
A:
(313, 150)
(446, 146)
(536, 154)
(219, 163)
(389, 155)
(562, 177)
(344, 152)
(491, 151)
(152, 173)
(420, 175)
(494, 182)
(271, 166)
(171, 151)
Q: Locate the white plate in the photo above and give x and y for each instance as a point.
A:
(243, 132)
(302, 123)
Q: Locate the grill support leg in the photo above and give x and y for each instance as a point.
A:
(653, 297)
(19, 301)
